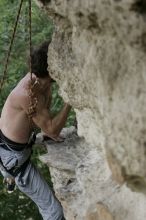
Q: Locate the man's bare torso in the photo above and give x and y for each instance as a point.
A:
(15, 123)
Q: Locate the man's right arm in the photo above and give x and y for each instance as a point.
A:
(51, 126)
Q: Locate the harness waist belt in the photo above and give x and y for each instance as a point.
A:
(12, 145)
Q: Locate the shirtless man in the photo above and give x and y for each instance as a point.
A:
(16, 127)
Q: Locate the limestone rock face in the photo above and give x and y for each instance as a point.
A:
(98, 58)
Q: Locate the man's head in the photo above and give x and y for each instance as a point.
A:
(39, 60)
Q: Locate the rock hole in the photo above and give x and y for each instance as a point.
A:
(70, 181)
(139, 6)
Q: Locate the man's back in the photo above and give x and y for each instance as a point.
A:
(14, 120)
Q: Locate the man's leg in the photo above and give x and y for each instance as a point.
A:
(35, 187)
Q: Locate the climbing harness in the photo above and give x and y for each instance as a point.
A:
(9, 175)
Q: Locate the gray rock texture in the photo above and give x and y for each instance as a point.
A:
(98, 58)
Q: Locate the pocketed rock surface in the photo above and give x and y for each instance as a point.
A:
(98, 58)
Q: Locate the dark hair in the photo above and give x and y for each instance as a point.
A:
(39, 63)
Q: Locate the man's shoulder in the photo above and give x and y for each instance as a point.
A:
(19, 97)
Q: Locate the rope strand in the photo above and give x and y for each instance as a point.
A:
(10, 47)
(30, 41)
(33, 100)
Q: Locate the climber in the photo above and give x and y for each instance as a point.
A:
(26, 107)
